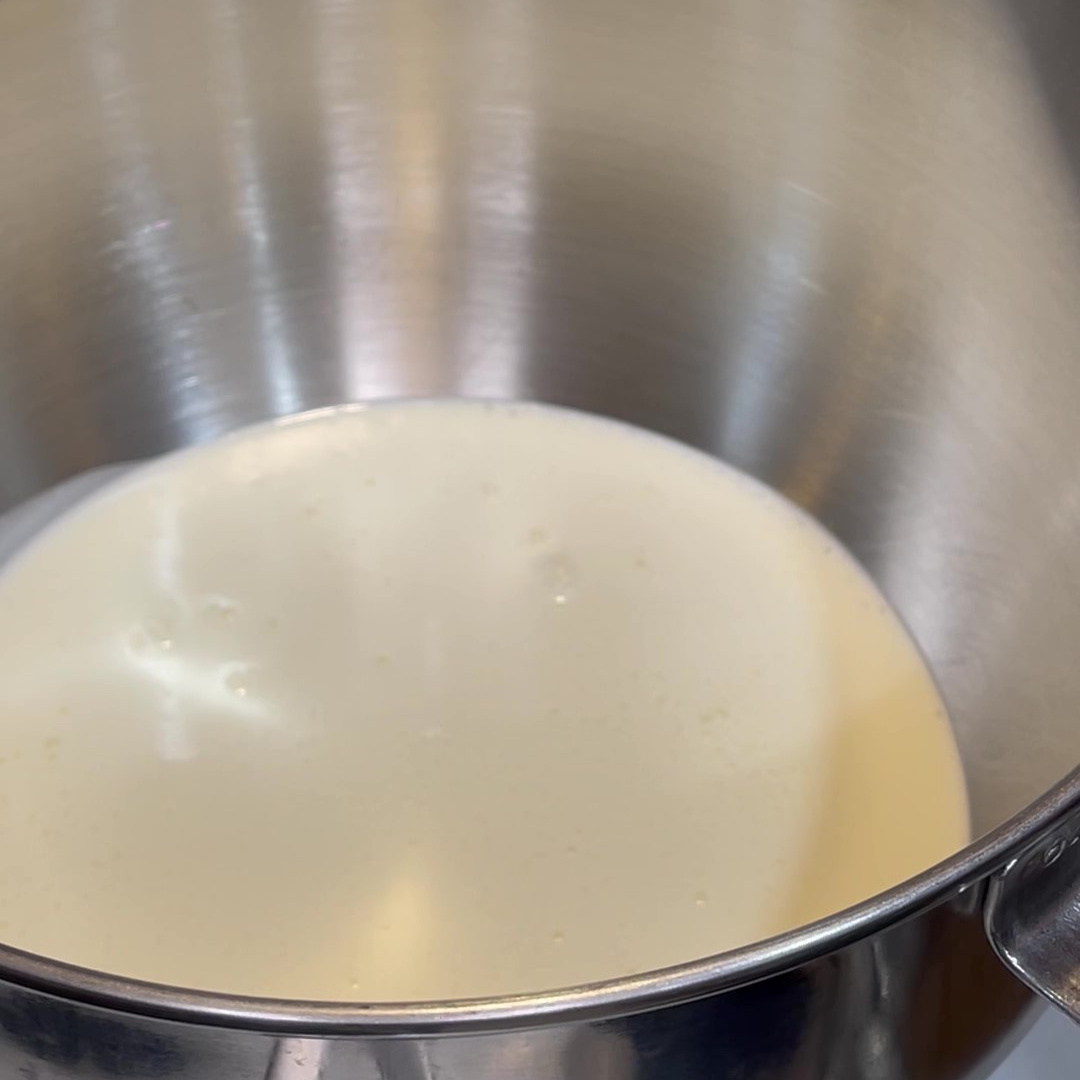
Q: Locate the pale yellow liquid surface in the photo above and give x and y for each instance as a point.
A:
(448, 700)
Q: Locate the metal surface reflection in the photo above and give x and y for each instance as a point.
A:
(247, 167)
(835, 242)
(145, 253)
(500, 209)
(892, 1009)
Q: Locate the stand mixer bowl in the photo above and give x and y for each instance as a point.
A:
(834, 242)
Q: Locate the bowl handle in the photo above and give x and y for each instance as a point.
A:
(1032, 916)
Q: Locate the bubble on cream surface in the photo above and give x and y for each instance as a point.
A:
(444, 700)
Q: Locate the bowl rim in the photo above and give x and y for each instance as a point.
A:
(597, 1001)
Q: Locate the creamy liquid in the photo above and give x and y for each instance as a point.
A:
(448, 700)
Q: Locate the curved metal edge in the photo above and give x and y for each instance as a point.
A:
(622, 997)
(1032, 916)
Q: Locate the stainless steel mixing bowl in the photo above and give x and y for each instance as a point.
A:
(836, 242)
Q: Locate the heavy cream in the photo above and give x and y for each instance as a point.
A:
(445, 700)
